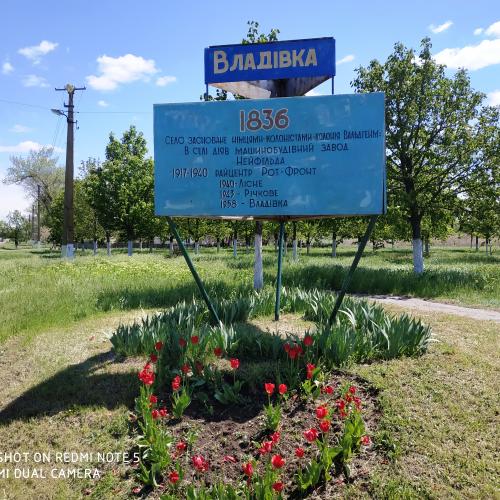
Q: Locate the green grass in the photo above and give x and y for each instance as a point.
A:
(38, 290)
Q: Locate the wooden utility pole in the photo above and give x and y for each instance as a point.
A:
(68, 235)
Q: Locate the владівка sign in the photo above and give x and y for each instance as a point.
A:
(271, 158)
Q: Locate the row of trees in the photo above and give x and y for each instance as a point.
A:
(443, 169)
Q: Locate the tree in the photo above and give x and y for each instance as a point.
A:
(121, 190)
(38, 169)
(18, 227)
(434, 135)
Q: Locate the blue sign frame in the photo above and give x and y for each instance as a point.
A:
(314, 57)
(271, 158)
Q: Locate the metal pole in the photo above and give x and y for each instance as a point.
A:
(278, 278)
(347, 279)
(196, 277)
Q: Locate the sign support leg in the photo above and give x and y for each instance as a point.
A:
(348, 278)
(278, 278)
(196, 277)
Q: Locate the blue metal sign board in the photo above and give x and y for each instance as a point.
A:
(271, 158)
(270, 61)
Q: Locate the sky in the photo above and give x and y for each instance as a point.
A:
(133, 54)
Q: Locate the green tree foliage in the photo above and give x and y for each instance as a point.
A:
(39, 168)
(18, 227)
(435, 132)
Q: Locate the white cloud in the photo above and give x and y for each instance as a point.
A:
(478, 31)
(165, 80)
(124, 69)
(471, 57)
(26, 147)
(35, 81)
(493, 30)
(35, 52)
(20, 129)
(440, 28)
(346, 59)
(494, 98)
(102, 103)
(7, 68)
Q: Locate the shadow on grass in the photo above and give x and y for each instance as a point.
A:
(83, 384)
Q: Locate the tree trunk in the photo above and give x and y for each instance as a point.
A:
(427, 251)
(130, 248)
(196, 247)
(108, 245)
(140, 245)
(308, 247)
(218, 245)
(471, 241)
(477, 243)
(235, 247)
(95, 247)
(171, 244)
(258, 269)
(418, 257)
(334, 244)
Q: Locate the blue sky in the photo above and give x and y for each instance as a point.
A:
(133, 54)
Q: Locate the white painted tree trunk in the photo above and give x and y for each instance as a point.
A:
(235, 247)
(418, 258)
(171, 247)
(196, 248)
(334, 247)
(95, 247)
(258, 270)
(218, 246)
(140, 245)
(294, 250)
(130, 248)
(108, 248)
(308, 248)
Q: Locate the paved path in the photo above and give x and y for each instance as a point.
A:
(428, 305)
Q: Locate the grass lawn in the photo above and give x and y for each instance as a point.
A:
(38, 290)
(67, 391)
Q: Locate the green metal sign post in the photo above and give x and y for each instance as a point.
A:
(348, 278)
(196, 277)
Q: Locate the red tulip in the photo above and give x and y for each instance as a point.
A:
(235, 363)
(310, 368)
(308, 341)
(321, 412)
(158, 345)
(163, 412)
(155, 414)
(277, 461)
(266, 447)
(311, 435)
(269, 388)
(299, 452)
(185, 369)
(329, 389)
(146, 376)
(195, 339)
(248, 469)
(275, 437)
(218, 351)
(200, 464)
(173, 477)
(153, 358)
(153, 399)
(352, 389)
(366, 441)
(278, 486)
(282, 388)
(324, 425)
(181, 446)
(182, 342)
(176, 383)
